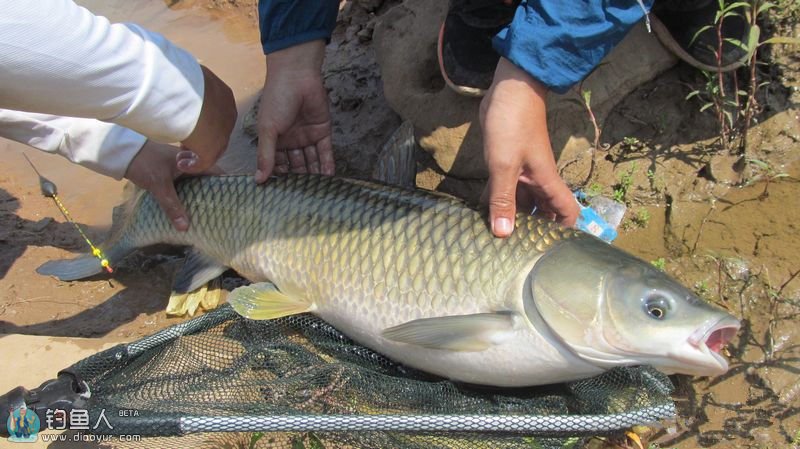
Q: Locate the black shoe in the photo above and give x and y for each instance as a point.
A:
(466, 57)
(677, 23)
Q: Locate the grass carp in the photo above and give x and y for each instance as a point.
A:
(418, 277)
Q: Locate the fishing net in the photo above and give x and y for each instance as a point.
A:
(297, 382)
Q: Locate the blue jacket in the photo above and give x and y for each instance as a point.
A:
(558, 42)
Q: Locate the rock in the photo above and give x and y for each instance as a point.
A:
(370, 5)
(405, 44)
(364, 35)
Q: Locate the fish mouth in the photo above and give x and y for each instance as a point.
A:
(712, 337)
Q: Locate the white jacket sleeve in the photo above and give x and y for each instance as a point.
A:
(58, 58)
(102, 147)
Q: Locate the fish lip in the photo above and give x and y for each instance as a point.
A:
(723, 330)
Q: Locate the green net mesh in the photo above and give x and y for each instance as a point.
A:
(297, 382)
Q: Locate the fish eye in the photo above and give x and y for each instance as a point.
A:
(657, 306)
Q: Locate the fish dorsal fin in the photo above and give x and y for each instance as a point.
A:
(397, 164)
(263, 301)
(468, 333)
(196, 271)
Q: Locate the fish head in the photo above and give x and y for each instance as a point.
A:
(614, 309)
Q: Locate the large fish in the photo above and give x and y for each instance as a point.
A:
(418, 277)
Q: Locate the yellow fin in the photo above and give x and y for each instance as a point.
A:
(263, 301)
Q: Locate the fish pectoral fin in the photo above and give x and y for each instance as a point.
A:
(476, 332)
(263, 301)
(197, 270)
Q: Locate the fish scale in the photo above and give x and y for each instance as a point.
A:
(425, 231)
(372, 259)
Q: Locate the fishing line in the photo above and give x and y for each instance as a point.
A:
(49, 190)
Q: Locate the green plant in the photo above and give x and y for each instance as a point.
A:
(659, 263)
(594, 189)
(639, 219)
(701, 288)
(625, 182)
(767, 173)
(254, 439)
(735, 106)
(307, 441)
(587, 102)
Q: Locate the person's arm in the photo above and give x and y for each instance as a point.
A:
(559, 43)
(58, 58)
(549, 45)
(105, 148)
(294, 125)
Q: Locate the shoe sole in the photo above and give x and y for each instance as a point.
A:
(466, 91)
(666, 39)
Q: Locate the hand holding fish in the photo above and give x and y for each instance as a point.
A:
(294, 123)
(522, 170)
(154, 169)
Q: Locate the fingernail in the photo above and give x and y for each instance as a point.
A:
(181, 223)
(502, 227)
(185, 164)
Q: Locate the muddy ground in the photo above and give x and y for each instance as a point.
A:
(726, 227)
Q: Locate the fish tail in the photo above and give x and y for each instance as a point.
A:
(114, 249)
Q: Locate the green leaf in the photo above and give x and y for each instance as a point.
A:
(587, 97)
(707, 27)
(782, 40)
(736, 5)
(728, 116)
(314, 442)
(693, 93)
(254, 439)
(759, 163)
(764, 7)
(736, 42)
(706, 106)
(532, 443)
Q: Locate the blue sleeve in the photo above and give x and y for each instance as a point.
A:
(284, 23)
(560, 42)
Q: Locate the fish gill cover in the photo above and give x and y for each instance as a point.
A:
(309, 386)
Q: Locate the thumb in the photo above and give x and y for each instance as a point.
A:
(267, 141)
(502, 201)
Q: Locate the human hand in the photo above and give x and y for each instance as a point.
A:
(154, 169)
(516, 147)
(294, 121)
(210, 136)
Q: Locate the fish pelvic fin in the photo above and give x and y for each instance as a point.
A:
(197, 270)
(263, 301)
(467, 333)
(72, 269)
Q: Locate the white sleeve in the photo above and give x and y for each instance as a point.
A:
(58, 58)
(80, 140)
